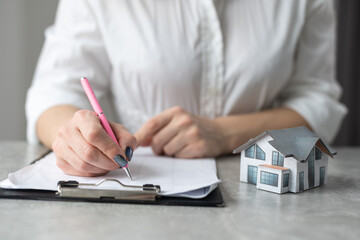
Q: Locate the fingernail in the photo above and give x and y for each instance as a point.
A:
(129, 153)
(120, 160)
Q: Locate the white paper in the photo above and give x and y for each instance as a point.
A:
(192, 178)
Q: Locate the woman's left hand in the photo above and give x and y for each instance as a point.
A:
(175, 132)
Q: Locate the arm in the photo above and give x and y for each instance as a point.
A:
(73, 48)
(51, 120)
(238, 129)
(310, 98)
(176, 132)
(312, 90)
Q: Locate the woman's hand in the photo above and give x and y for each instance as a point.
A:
(178, 133)
(83, 148)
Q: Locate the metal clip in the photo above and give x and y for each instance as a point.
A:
(71, 189)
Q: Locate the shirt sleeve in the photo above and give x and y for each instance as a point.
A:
(73, 48)
(313, 91)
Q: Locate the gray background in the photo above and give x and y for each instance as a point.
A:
(22, 25)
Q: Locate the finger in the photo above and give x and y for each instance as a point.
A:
(142, 142)
(69, 170)
(147, 142)
(70, 161)
(90, 127)
(126, 140)
(153, 126)
(160, 139)
(80, 165)
(88, 153)
(192, 150)
(179, 131)
(175, 145)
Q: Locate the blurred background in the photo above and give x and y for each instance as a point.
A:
(22, 25)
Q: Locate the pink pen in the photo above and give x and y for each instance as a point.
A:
(104, 122)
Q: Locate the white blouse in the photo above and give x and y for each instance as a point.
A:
(213, 58)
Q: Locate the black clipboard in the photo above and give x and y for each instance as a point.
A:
(146, 194)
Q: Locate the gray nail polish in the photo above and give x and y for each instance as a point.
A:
(120, 160)
(129, 153)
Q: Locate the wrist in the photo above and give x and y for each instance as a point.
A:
(220, 135)
(229, 135)
(237, 130)
(51, 120)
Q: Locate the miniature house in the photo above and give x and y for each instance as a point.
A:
(292, 159)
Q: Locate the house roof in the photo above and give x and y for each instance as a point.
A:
(292, 142)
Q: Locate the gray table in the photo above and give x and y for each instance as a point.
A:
(328, 212)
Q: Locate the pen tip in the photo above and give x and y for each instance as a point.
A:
(127, 170)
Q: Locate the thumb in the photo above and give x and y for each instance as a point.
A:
(141, 140)
(151, 127)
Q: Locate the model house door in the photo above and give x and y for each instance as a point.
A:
(301, 181)
(252, 174)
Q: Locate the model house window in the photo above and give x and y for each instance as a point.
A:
(269, 178)
(252, 174)
(277, 159)
(322, 175)
(318, 154)
(260, 154)
(286, 180)
(311, 168)
(301, 181)
(251, 153)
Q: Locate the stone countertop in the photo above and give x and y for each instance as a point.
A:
(328, 212)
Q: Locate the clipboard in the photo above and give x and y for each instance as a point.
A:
(146, 194)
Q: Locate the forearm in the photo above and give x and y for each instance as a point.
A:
(51, 120)
(238, 129)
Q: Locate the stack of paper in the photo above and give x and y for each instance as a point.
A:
(192, 178)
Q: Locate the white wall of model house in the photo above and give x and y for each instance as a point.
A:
(295, 167)
(280, 188)
(245, 161)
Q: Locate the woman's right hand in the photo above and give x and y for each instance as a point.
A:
(83, 148)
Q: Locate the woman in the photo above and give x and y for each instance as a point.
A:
(189, 78)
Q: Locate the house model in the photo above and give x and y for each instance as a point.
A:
(292, 159)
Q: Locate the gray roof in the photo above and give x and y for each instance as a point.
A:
(292, 142)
